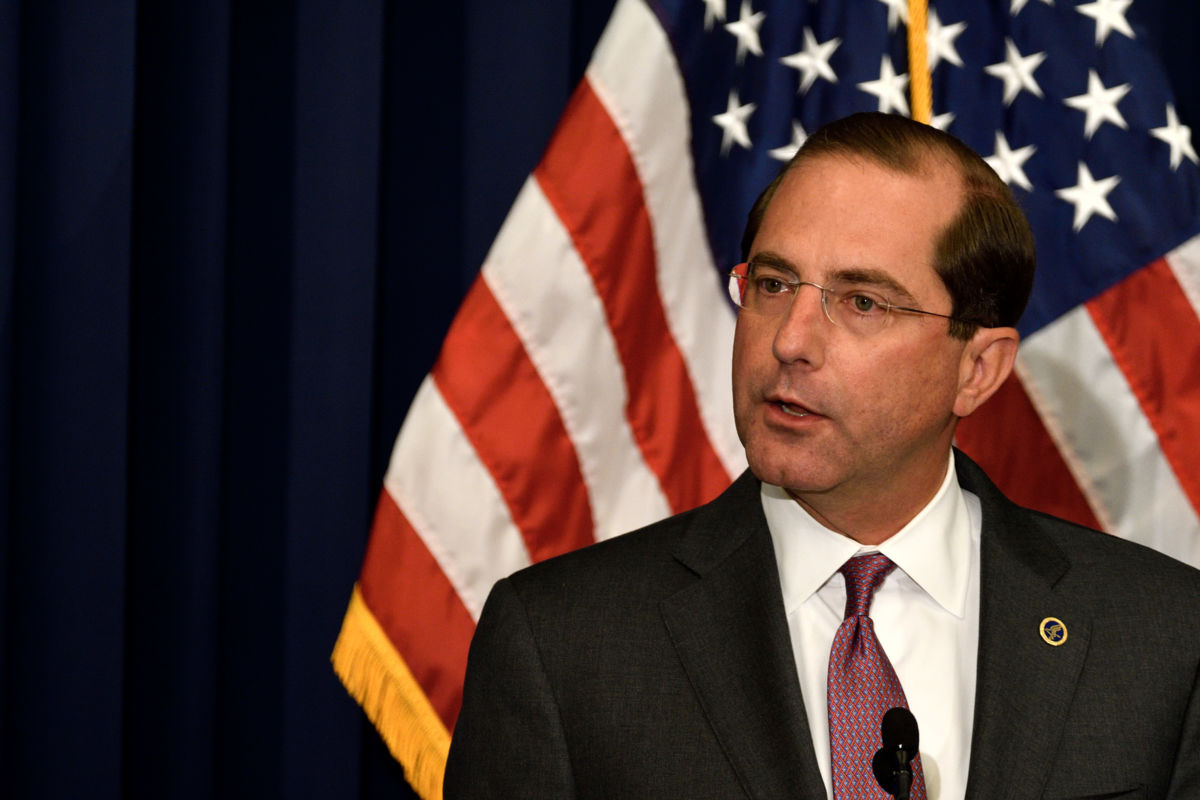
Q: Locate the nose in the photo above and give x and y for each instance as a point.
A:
(801, 334)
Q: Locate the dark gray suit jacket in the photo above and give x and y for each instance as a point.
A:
(658, 665)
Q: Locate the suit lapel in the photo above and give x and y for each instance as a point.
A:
(1024, 686)
(730, 632)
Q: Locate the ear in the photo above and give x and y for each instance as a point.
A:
(987, 360)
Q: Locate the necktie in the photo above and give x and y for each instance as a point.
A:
(862, 686)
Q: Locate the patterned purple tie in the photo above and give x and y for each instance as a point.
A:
(862, 686)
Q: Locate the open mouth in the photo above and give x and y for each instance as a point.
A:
(793, 411)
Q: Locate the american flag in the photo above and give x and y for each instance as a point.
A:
(583, 389)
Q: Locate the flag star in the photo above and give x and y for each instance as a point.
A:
(888, 87)
(1017, 5)
(745, 30)
(939, 41)
(786, 152)
(1090, 196)
(714, 11)
(942, 121)
(1009, 164)
(1017, 72)
(1178, 136)
(897, 11)
(1109, 16)
(1100, 104)
(813, 60)
(732, 122)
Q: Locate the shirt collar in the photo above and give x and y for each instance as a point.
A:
(933, 549)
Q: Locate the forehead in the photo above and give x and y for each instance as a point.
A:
(836, 212)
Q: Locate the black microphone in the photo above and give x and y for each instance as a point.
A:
(892, 763)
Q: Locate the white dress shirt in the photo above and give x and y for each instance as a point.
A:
(926, 616)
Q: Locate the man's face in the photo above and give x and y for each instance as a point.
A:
(836, 418)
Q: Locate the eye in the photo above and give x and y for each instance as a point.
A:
(863, 304)
(769, 285)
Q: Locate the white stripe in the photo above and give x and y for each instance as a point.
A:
(1185, 263)
(437, 480)
(546, 292)
(634, 74)
(1095, 419)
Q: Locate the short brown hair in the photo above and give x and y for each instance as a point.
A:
(985, 256)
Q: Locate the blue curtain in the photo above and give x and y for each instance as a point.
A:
(232, 235)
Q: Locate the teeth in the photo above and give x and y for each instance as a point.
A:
(792, 410)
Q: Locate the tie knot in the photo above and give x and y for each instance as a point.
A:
(863, 575)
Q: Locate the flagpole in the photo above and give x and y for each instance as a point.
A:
(918, 63)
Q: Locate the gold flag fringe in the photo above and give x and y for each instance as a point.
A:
(376, 676)
(919, 84)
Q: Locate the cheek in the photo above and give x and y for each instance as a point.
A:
(742, 373)
(753, 369)
(917, 392)
(902, 388)
(748, 351)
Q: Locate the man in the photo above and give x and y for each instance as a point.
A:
(708, 655)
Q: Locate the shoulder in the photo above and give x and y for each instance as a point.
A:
(654, 557)
(1119, 569)
(1077, 558)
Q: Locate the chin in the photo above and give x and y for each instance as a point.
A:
(788, 467)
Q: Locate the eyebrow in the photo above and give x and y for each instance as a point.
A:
(770, 259)
(858, 275)
(877, 278)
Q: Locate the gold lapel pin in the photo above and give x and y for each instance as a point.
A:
(1053, 631)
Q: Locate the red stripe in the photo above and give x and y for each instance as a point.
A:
(1007, 438)
(491, 386)
(590, 180)
(1154, 335)
(417, 608)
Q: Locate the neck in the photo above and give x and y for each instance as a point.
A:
(872, 516)
(866, 529)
